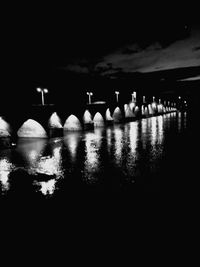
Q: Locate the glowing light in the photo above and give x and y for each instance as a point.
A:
(4, 128)
(179, 121)
(133, 135)
(89, 95)
(51, 165)
(154, 105)
(47, 187)
(109, 139)
(142, 110)
(160, 108)
(118, 145)
(146, 111)
(32, 128)
(153, 130)
(117, 95)
(42, 91)
(160, 129)
(136, 110)
(4, 133)
(125, 107)
(87, 117)
(5, 169)
(48, 165)
(72, 124)
(128, 112)
(133, 97)
(117, 115)
(108, 115)
(31, 149)
(132, 105)
(92, 145)
(98, 120)
(54, 121)
(144, 126)
(72, 140)
(151, 112)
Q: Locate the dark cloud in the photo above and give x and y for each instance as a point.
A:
(180, 54)
(196, 48)
(77, 68)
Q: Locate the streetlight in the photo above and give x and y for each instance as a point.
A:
(89, 95)
(179, 97)
(42, 91)
(117, 95)
(159, 101)
(153, 98)
(133, 97)
(143, 99)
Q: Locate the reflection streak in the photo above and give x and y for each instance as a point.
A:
(5, 169)
(92, 147)
(47, 187)
(118, 134)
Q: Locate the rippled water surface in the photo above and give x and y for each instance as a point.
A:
(133, 157)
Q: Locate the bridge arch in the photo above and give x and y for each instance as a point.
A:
(98, 120)
(55, 121)
(5, 128)
(32, 129)
(72, 123)
(117, 115)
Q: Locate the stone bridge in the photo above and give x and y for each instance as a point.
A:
(50, 120)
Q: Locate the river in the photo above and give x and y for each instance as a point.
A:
(133, 157)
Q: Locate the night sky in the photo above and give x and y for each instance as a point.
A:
(71, 51)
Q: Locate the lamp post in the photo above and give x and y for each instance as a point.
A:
(153, 98)
(117, 95)
(159, 101)
(144, 99)
(42, 91)
(133, 97)
(89, 95)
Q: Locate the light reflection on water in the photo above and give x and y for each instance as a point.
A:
(71, 141)
(118, 145)
(5, 169)
(93, 143)
(130, 149)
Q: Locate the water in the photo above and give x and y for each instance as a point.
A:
(134, 157)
